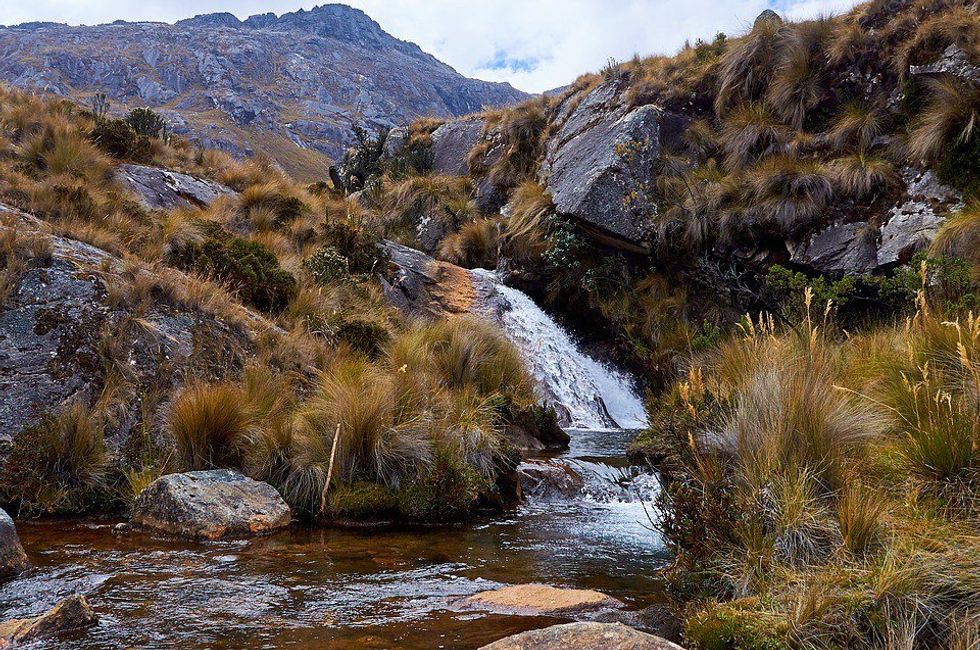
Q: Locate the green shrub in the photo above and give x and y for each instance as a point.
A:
(446, 491)
(353, 240)
(367, 336)
(146, 122)
(118, 139)
(327, 265)
(959, 166)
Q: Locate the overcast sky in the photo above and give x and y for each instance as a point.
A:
(534, 44)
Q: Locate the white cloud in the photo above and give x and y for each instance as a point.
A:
(550, 42)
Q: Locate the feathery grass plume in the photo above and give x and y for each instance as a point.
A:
(857, 125)
(701, 139)
(72, 446)
(749, 132)
(747, 66)
(212, 426)
(526, 228)
(849, 42)
(520, 128)
(952, 116)
(384, 427)
(788, 193)
(475, 244)
(470, 430)
(804, 531)
(863, 175)
(959, 236)
(861, 511)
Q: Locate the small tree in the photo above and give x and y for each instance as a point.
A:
(146, 122)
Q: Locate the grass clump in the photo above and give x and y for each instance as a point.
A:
(212, 426)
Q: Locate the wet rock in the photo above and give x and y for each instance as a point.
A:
(13, 560)
(451, 145)
(422, 286)
(541, 600)
(912, 225)
(70, 615)
(549, 480)
(954, 62)
(162, 189)
(600, 165)
(583, 636)
(210, 504)
(844, 248)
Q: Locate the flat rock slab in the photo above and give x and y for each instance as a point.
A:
(541, 600)
(13, 560)
(211, 505)
(71, 614)
(576, 636)
(162, 189)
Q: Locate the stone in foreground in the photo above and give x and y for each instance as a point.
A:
(211, 505)
(541, 600)
(13, 560)
(575, 636)
(162, 189)
(71, 614)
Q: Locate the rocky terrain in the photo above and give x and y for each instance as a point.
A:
(287, 86)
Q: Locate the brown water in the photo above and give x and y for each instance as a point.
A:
(319, 588)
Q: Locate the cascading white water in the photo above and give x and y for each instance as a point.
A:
(587, 394)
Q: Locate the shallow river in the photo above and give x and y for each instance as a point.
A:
(379, 588)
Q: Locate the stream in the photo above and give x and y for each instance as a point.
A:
(365, 588)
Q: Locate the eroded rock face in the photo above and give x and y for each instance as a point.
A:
(548, 480)
(843, 248)
(71, 614)
(60, 321)
(162, 189)
(912, 225)
(955, 62)
(600, 165)
(211, 505)
(13, 560)
(541, 600)
(451, 145)
(583, 636)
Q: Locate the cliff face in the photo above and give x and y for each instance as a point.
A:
(253, 85)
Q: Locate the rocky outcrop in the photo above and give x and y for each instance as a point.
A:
(247, 85)
(451, 145)
(13, 560)
(600, 164)
(211, 505)
(583, 636)
(541, 600)
(421, 286)
(70, 615)
(162, 189)
(954, 62)
(913, 224)
(843, 248)
(68, 317)
(549, 480)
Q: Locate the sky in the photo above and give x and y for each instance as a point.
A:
(535, 45)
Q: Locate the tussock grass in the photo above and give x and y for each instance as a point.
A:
(212, 426)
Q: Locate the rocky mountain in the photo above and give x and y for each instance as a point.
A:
(263, 84)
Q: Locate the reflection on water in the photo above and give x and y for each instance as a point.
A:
(314, 588)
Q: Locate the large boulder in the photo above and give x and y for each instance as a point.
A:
(210, 504)
(583, 636)
(162, 189)
(69, 316)
(451, 145)
(13, 560)
(913, 223)
(421, 286)
(541, 600)
(549, 480)
(70, 615)
(841, 248)
(600, 164)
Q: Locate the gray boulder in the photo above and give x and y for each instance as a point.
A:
(954, 62)
(162, 189)
(541, 600)
(912, 225)
(600, 165)
(452, 143)
(13, 560)
(583, 636)
(70, 615)
(548, 480)
(211, 505)
(395, 142)
(843, 248)
(419, 285)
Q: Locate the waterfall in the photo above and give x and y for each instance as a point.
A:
(586, 393)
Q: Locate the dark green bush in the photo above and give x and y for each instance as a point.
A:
(118, 139)
(960, 167)
(327, 265)
(145, 122)
(446, 492)
(358, 244)
(364, 336)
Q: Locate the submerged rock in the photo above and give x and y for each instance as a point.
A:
(582, 636)
(541, 600)
(162, 189)
(600, 165)
(71, 614)
(545, 480)
(211, 505)
(13, 560)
